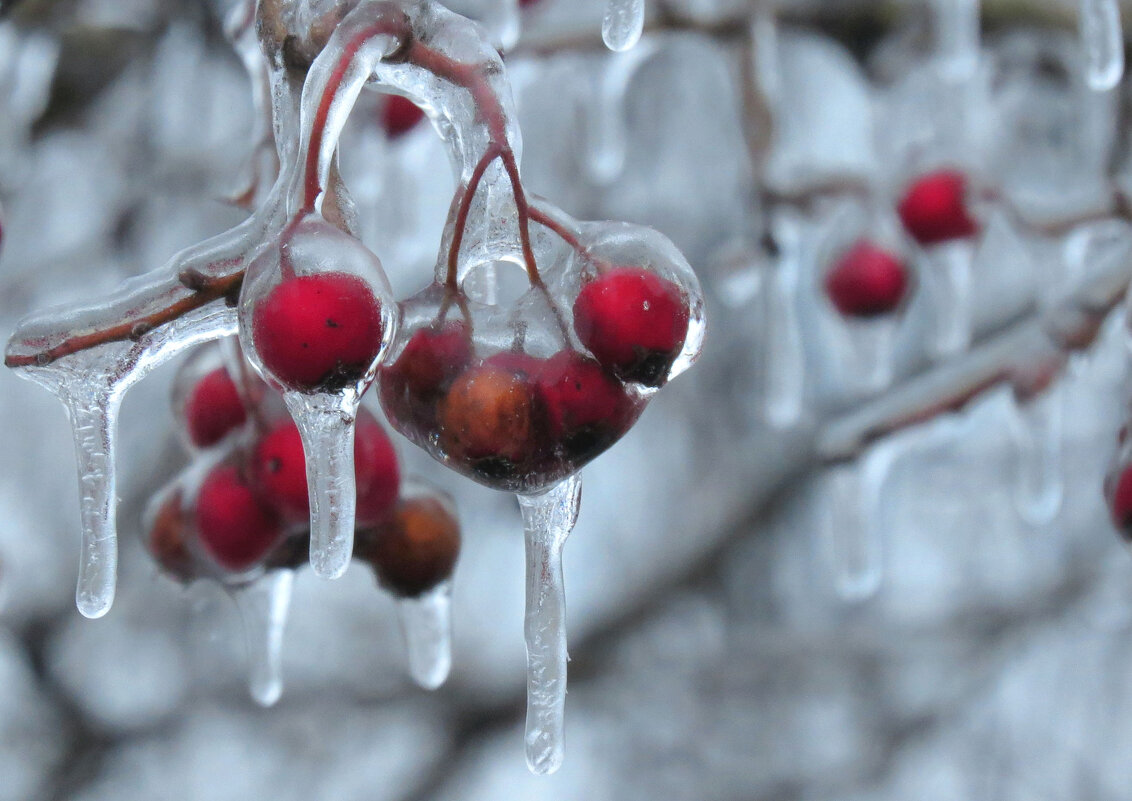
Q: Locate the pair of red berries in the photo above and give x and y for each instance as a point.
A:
(517, 421)
(871, 281)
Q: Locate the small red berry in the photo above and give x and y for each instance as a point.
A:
(167, 540)
(319, 331)
(399, 115)
(1121, 504)
(867, 281)
(279, 470)
(633, 322)
(213, 408)
(415, 550)
(934, 208)
(518, 363)
(376, 469)
(488, 416)
(587, 409)
(234, 528)
(432, 359)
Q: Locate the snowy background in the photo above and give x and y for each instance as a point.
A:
(712, 657)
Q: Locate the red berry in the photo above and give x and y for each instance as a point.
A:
(213, 408)
(318, 331)
(376, 470)
(934, 208)
(279, 470)
(633, 322)
(1121, 504)
(415, 550)
(867, 281)
(233, 527)
(518, 363)
(525, 3)
(587, 409)
(400, 115)
(430, 362)
(167, 540)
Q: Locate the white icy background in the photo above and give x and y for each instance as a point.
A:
(710, 657)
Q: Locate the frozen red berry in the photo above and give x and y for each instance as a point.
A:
(633, 322)
(415, 550)
(233, 526)
(279, 470)
(376, 470)
(1121, 504)
(587, 409)
(168, 538)
(489, 416)
(867, 281)
(399, 115)
(318, 332)
(934, 208)
(213, 408)
(431, 360)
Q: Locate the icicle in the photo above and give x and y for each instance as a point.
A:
(850, 526)
(93, 411)
(950, 274)
(548, 519)
(264, 605)
(1102, 41)
(1039, 479)
(426, 624)
(623, 23)
(957, 37)
(326, 425)
(869, 346)
(603, 112)
(785, 361)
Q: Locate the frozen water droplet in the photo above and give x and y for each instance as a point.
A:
(623, 23)
(326, 426)
(949, 278)
(1103, 43)
(1038, 432)
(957, 37)
(548, 519)
(851, 527)
(264, 605)
(426, 624)
(784, 384)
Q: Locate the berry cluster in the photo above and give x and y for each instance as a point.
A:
(519, 421)
(243, 506)
(868, 280)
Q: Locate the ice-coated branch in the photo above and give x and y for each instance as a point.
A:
(1026, 355)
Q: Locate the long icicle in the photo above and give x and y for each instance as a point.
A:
(548, 519)
(426, 624)
(1102, 40)
(264, 605)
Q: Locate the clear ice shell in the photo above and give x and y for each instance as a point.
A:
(948, 276)
(1039, 473)
(326, 426)
(264, 604)
(623, 23)
(548, 519)
(957, 37)
(426, 625)
(851, 533)
(1102, 40)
